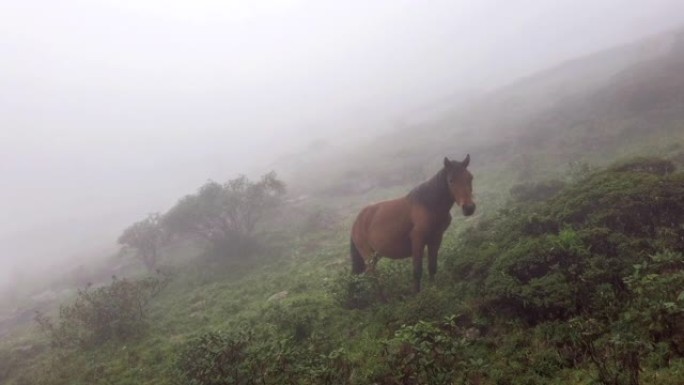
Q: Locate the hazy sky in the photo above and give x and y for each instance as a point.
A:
(110, 109)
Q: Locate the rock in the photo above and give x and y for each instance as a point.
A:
(278, 296)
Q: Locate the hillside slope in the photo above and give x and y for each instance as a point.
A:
(575, 281)
(591, 109)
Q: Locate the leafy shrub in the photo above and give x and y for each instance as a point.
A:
(355, 291)
(242, 359)
(616, 354)
(657, 304)
(529, 258)
(595, 270)
(215, 359)
(295, 319)
(431, 304)
(113, 312)
(390, 281)
(429, 353)
(226, 215)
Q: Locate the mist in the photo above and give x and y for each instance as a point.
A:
(110, 110)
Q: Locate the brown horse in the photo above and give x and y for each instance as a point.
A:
(402, 227)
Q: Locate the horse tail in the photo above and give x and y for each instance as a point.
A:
(358, 264)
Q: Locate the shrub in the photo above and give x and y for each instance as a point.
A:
(114, 312)
(529, 258)
(355, 291)
(242, 359)
(226, 215)
(595, 269)
(216, 359)
(295, 319)
(657, 303)
(425, 353)
(616, 355)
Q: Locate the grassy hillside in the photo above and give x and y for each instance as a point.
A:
(573, 276)
(506, 307)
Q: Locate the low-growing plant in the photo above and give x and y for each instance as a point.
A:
(657, 304)
(216, 359)
(243, 359)
(528, 259)
(116, 311)
(426, 353)
(616, 354)
(295, 319)
(355, 291)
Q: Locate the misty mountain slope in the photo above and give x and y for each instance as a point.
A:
(584, 89)
(505, 307)
(589, 109)
(330, 327)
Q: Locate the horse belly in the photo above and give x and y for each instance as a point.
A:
(390, 235)
(396, 249)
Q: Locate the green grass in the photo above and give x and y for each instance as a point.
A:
(312, 265)
(214, 295)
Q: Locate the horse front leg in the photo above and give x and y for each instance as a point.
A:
(418, 248)
(433, 250)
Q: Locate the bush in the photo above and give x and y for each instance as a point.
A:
(595, 269)
(114, 312)
(295, 319)
(439, 352)
(216, 359)
(227, 215)
(529, 258)
(242, 359)
(657, 303)
(356, 291)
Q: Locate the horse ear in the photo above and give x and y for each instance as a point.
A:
(466, 161)
(447, 162)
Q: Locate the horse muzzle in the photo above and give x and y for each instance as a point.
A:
(468, 209)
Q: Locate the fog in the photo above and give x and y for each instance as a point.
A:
(110, 109)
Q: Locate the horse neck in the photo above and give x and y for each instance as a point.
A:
(434, 193)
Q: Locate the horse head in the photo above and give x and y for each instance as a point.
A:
(460, 182)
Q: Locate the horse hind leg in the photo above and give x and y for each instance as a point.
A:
(373, 272)
(357, 258)
(373, 262)
(372, 258)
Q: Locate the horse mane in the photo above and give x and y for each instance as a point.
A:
(433, 193)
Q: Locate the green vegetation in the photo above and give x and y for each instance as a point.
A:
(582, 285)
(117, 311)
(226, 215)
(146, 238)
(574, 277)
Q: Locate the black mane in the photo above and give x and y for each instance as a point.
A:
(433, 193)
